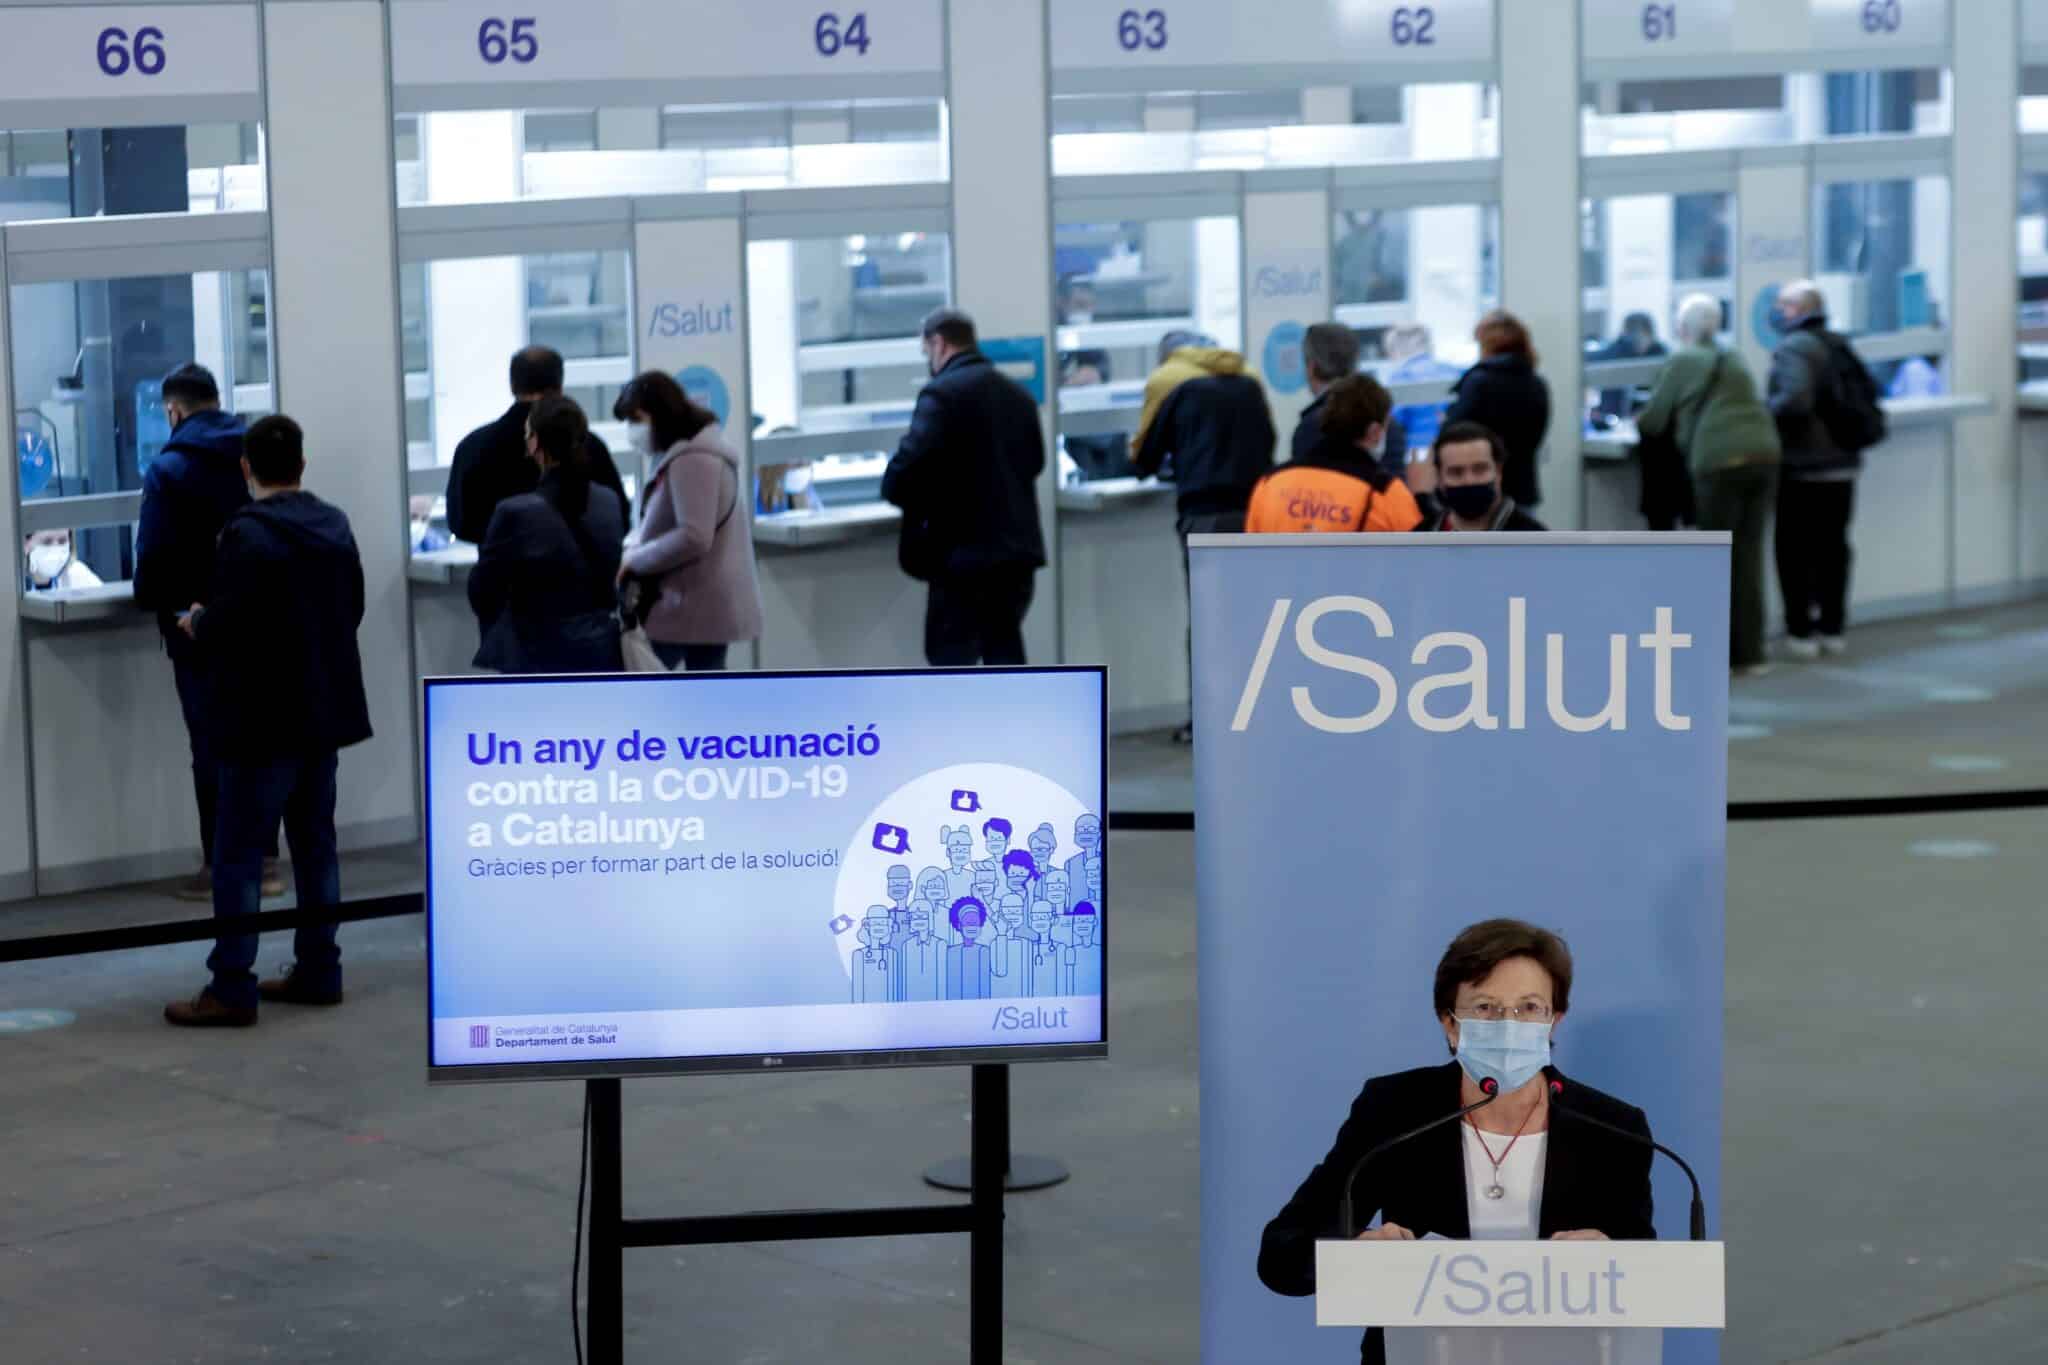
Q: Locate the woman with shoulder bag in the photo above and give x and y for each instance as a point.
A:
(1706, 402)
(543, 583)
(695, 550)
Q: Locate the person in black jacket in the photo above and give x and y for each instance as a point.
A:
(189, 491)
(966, 477)
(491, 463)
(1330, 354)
(544, 587)
(1504, 394)
(1206, 420)
(1502, 988)
(279, 628)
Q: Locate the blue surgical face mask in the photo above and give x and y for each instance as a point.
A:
(1506, 1051)
(1781, 324)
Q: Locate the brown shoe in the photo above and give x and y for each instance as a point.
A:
(273, 879)
(204, 1010)
(197, 888)
(289, 990)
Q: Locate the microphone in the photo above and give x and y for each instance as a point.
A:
(1346, 1221)
(1699, 1204)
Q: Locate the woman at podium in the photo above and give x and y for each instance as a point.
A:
(1504, 1171)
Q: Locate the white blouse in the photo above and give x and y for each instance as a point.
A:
(1517, 1214)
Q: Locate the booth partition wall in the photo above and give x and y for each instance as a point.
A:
(356, 212)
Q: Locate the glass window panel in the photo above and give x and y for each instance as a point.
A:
(561, 131)
(2033, 251)
(766, 126)
(896, 121)
(866, 297)
(1436, 268)
(1121, 288)
(870, 286)
(1625, 117)
(1881, 254)
(113, 172)
(89, 358)
(578, 304)
(1098, 114)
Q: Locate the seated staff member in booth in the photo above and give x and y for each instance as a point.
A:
(1339, 484)
(545, 584)
(1505, 1172)
(1469, 462)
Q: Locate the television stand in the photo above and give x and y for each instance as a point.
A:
(981, 1218)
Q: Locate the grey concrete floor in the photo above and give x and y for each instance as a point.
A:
(297, 1193)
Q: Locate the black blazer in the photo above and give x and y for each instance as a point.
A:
(1591, 1180)
(966, 474)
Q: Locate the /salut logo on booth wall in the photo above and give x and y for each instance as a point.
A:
(700, 319)
(1462, 697)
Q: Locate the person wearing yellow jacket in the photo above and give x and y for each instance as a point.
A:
(1206, 425)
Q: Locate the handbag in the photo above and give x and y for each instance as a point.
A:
(1668, 498)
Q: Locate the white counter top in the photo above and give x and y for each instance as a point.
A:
(1618, 443)
(107, 602)
(443, 568)
(2034, 396)
(833, 526)
(1103, 495)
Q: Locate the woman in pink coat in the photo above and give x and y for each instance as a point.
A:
(695, 546)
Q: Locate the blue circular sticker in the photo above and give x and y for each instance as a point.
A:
(38, 460)
(1760, 316)
(33, 1021)
(1286, 370)
(707, 390)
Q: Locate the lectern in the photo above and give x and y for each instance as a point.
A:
(1521, 1303)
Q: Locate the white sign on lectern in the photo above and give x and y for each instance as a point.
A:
(1534, 1303)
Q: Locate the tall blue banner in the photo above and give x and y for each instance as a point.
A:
(1398, 737)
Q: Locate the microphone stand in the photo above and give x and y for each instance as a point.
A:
(1699, 1203)
(1346, 1220)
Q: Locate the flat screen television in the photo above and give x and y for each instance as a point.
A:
(720, 872)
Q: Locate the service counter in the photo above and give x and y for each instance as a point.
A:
(1123, 600)
(110, 764)
(2033, 475)
(1906, 525)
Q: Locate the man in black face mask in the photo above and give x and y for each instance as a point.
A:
(1469, 460)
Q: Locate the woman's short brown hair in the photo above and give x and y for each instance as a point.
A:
(1474, 954)
(1354, 407)
(1502, 333)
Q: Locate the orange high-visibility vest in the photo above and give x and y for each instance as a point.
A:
(1303, 498)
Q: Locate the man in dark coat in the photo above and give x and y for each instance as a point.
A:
(966, 477)
(491, 463)
(279, 630)
(189, 491)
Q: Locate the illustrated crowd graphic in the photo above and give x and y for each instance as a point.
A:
(1015, 924)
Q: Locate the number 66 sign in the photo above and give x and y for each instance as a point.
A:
(116, 52)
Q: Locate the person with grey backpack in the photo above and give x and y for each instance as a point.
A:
(1827, 410)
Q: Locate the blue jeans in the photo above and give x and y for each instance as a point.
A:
(252, 798)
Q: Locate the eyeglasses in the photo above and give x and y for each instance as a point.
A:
(1492, 1012)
